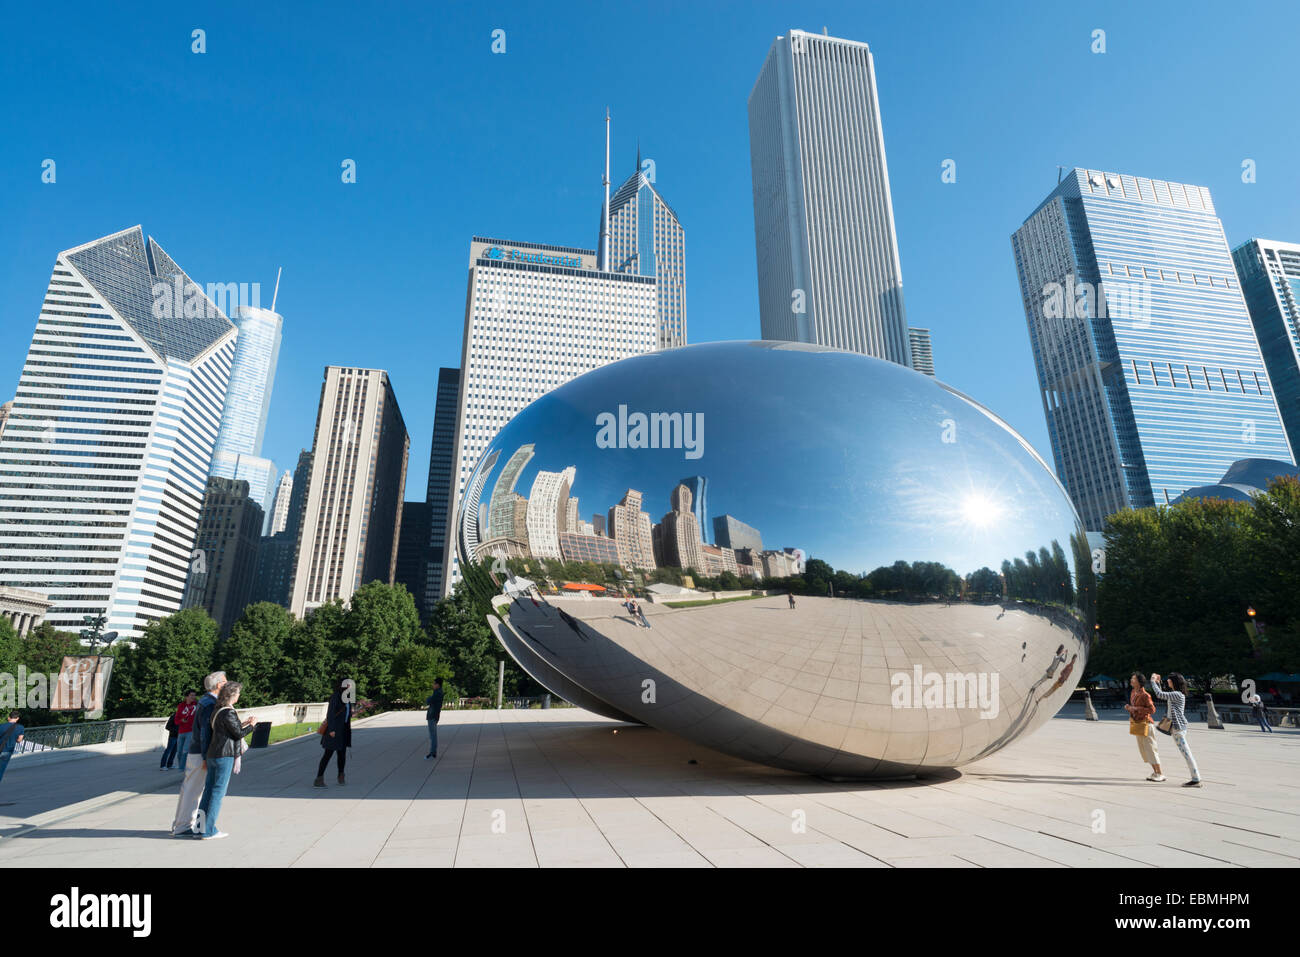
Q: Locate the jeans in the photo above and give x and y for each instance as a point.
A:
(1180, 739)
(169, 754)
(183, 746)
(1263, 722)
(214, 790)
(4, 762)
(433, 738)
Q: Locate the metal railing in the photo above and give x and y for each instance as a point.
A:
(70, 735)
(475, 704)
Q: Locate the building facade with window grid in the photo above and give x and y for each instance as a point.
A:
(105, 457)
(536, 316)
(1151, 379)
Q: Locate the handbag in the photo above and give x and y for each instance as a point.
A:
(323, 729)
(1166, 725)
(1139, 728)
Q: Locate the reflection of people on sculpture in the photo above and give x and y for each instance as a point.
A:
(1030, 706)
(1065, 674)
(1140, 708)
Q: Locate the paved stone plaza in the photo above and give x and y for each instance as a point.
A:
(566, 788)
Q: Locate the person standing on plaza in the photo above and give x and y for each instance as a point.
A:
(1140, 708)
(434, 706)
(222, 757)
(338, 733)
(184, 718)
(187, 808)
(169, 752)
(1261, 715)
(791, 597)
(1176, 698)
(10, 738)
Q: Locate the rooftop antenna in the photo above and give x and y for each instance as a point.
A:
(1060, 171)
(604, 223)
(275, 295)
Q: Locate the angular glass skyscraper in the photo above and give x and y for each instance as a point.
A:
(828, 267)
(1270, 280)
(647, 239)
(243, 420)
(1151, 379)
(104, 460)
(922, 353)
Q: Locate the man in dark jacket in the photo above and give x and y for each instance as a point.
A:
(196, 771)
(434, 704)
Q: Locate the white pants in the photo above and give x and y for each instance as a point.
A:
(187, 808)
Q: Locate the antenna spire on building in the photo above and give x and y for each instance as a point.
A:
(604, 222)
(275, 295)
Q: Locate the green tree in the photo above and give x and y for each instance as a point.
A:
(171, 656)
(414, 669)
(254, 654)
(306, 670)
(380, 618)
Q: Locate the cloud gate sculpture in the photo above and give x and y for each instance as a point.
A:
(806, 558)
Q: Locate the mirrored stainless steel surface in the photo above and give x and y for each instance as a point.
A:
(943, 590)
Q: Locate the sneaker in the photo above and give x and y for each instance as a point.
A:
(1193, 784)
(1155, 777)
(214, 837)
(318, 783)
(427, 757)
(341, 780)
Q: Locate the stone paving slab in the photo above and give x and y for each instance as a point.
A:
(565, 788)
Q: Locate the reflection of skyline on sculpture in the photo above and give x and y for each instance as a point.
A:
(545, 524)
(867, 522)
(972, 515)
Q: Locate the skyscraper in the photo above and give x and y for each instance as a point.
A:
(632, 532)
(230, 527)
(828, 266)
(647, 239)
(442, 465)
(353, 510)
(1151, 379)
(536, 316)
(277, 553)
(104, 461)
(412, 551)
(280, 504)
(1270, 280)
(680, 531)
(238, 453)
(922, 356)
(548, 501)
(699, 489)
(730, 532)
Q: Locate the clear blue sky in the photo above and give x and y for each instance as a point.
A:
(231, 159)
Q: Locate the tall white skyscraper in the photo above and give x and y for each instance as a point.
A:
(238, 454)
(352, 509)
(548, 502)
(104, 462)
(536, 317)
(828, 267)
(280, 504)
(646, 238)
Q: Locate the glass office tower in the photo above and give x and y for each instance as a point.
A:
(243, 420)
(442, 465)
(828, 266)
(1270, 280)
(647, 239)
(104, 460)
(1151, 379)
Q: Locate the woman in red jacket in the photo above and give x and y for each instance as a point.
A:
(1140, 708)
(184, 720)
